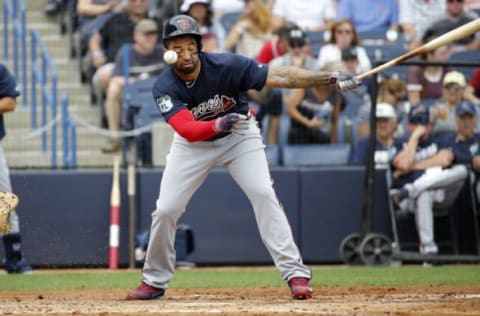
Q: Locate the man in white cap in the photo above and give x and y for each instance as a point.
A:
(384, 150)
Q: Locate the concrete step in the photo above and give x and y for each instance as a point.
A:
(35, 159)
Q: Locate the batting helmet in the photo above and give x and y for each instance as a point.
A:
(180, 25)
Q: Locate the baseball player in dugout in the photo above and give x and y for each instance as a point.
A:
(9, 223)
(202, 96)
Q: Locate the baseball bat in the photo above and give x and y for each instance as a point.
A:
(445, 39)
(131, 210)
(114, 241)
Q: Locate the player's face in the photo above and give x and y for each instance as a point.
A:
(187, 51)
(466, 125)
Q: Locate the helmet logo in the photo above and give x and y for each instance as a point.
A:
(184, 24)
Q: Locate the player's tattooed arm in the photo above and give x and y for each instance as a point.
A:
(295, 77)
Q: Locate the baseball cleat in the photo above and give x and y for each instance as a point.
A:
(146, 292)
(300, 288)
(10, 198)
(18, 266)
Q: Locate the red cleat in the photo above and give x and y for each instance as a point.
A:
(146, 292)
(300, 288)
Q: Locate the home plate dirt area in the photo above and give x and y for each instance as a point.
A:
(327, 300)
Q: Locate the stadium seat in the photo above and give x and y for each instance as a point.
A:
(139, 108)
(468, 57)
(315, 155)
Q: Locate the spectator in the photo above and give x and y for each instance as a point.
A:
(105, 44)
(472, 91)
(465, 141)
(425, 82)
(422, 177)
(456, 16)
(212, 31)
(415, 16)
(384, 150)
(92, 15)
(308, 15)
(277, 45)
(145, 60)
(343, 35)
(391, 91)
(297, 55)
(443, 112)
(314, 113)
(354, 99)
(367, 15)
(252, 31)
(12, 241)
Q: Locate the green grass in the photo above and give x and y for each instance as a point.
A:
(247, 277)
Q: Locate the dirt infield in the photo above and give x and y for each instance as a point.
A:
(352, 300)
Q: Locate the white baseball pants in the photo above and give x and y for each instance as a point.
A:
(187, 166)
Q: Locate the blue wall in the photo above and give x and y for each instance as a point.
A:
(65, 214)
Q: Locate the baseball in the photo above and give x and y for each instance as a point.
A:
(170, 57)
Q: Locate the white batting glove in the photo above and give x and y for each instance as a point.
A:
(344, 81)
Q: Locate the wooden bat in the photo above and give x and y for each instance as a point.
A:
(114, 241)
(131, 207)
(445, 39)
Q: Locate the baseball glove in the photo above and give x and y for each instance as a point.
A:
(8, 202)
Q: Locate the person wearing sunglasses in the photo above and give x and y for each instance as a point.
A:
(343, 35)
(423, 176)
(443, 112)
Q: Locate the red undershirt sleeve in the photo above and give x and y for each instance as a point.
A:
(186, 126)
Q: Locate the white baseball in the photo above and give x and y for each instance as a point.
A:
(170, 57)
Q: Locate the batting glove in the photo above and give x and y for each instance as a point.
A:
(228, 122)
(344, 81)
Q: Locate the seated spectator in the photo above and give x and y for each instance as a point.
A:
(308, 15)
(443, 112)
(415, 16)
(456, 16)
(472, 91)
(314, 113)
(277, 45)
(252, 31)
(391, 91)
(105, 44)
(385, 127)
(297, 55)
(343, 35)
(465, 141)
(354, 99)
(92, 15)
(369, 15)
(423, 176)
(145, 60)
(213, 34)
(425, 82)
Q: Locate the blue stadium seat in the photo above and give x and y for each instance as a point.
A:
(139, 108)
(315, 155)
(467, 56)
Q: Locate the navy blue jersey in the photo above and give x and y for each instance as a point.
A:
(8, 88)
(219, 88)
(382, 156)
(425, 150)
(464, 150)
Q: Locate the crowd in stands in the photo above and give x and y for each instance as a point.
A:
(426, 116)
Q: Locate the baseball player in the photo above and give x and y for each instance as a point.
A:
(422, 175)
(14, 261)
(201, 96)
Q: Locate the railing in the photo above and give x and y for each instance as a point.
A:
(18, 33)
(43, 79)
